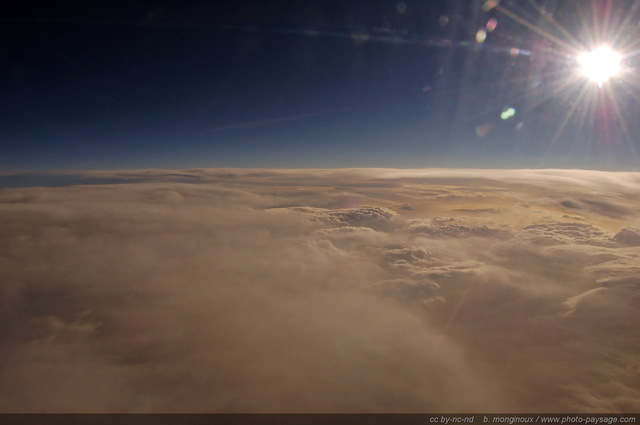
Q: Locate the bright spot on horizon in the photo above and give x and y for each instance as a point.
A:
(600, 64)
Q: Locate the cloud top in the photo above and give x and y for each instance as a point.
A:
(321, 291)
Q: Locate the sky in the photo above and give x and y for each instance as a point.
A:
(287, 84)
(281, 206)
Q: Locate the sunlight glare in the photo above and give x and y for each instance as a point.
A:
(600, 64)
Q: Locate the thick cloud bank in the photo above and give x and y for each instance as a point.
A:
(321, 291)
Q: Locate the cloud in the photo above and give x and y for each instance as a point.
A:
(367, 216)
(406, 207)
(565, 232)
(405, 289)
(454, 228)
(605, 208)
(319, 291)
(628, 236)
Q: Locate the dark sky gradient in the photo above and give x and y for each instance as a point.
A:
(162, 84)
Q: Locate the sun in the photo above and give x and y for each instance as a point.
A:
(599, 48)
(600, 64)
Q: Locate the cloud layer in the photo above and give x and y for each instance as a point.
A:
(321, 291)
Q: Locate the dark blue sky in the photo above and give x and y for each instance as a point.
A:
(169, 84)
